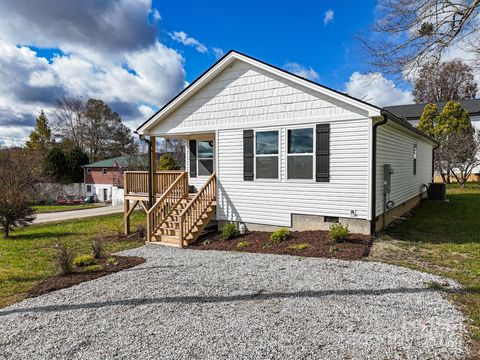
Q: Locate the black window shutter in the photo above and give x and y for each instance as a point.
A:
(322, 153)
(248, 155)
(193, 158)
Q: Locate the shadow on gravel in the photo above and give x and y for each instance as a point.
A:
(219, 299)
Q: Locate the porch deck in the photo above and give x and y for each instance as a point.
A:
(174, 217)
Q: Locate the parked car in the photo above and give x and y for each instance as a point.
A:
(69, 200)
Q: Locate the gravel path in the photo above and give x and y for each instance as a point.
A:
(188, 304)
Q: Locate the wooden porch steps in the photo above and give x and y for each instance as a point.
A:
(168, 233)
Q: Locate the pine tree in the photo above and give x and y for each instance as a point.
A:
(75, 159)
(41, 138)
(167, 162)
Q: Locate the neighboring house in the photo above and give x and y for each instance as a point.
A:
(267, 148)
(104, 179)
(413, 112)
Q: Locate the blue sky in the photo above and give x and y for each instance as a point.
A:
(289, 31)
(138, 54)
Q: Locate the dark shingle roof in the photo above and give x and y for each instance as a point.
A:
(414, 111)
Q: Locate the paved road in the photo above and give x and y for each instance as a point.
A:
(76, 214)
(193, 304)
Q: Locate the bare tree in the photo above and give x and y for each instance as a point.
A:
(461, 151)
(452, 80)
(16, 189)
(69, 116)
(409, 33)
(94, 128)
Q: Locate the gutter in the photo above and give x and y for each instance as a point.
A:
(150, 175)
(374, 174)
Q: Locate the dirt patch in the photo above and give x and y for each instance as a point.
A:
(63, 281)
(301, 243)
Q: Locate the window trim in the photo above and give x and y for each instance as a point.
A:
(198, 141)
(278, 154)
(89, 188)
(312, 154)
(104, 171)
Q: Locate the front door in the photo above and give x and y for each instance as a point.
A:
(105, 195)
(205, 157)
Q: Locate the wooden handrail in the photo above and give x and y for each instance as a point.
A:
(202, 189)
(169, 199)
(194, 211)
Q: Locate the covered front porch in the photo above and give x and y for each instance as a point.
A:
(177, 208)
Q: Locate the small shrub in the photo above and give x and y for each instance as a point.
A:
(63, 258)
(242, 244)
(338, 232)
(229, 231)
(299, 246)
(142, 230)
(112, 261)
(84, 260)
(279, 236)
(92, 268)
(334, 248)
(119, 230)
(97, 249)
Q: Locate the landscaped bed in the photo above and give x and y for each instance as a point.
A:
(301, 243)
(104, 266)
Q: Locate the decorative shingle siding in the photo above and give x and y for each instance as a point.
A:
(245, 95)
(395, 147)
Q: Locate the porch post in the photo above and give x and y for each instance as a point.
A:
(126, 216)
(153, 168)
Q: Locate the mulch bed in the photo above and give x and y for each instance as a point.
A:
(63, 281)
(354, 248)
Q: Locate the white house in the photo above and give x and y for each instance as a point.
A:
(285, 151)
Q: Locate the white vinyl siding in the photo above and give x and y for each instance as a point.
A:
(395, 147)
(273, 203)
(244, 96)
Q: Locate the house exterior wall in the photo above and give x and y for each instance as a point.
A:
(395, 147)
(244, 95)
(275, 202)
(96, 181)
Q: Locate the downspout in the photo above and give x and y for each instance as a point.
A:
(150, 175)
(374, 174)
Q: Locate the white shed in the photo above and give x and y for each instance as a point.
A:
(267, 148)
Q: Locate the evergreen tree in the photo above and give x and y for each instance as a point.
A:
(56, 167)
(75, 159)
(41, 137)
(167, 162)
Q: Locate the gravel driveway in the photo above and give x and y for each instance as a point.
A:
(188, 304)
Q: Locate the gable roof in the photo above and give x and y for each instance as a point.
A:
(229, 58)
(414, 111)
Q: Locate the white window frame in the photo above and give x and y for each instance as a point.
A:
(314, 138)
(415, 161)
(212, 158)
(278, 154)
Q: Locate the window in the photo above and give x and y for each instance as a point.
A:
(104, 171)
(205, 157)
(266, 154)
(300, 154)
(89, 188)
(414, 158)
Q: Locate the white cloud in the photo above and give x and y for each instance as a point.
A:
(300, 70)
(376, 89)
(114, 56)
(218, 52)
(328, 17)
(186, 40)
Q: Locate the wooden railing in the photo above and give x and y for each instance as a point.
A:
(136, 182)
(170, 198)
(197, 207)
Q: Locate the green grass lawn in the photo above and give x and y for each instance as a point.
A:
(25, 258)
(57, 208)
(442, 238)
